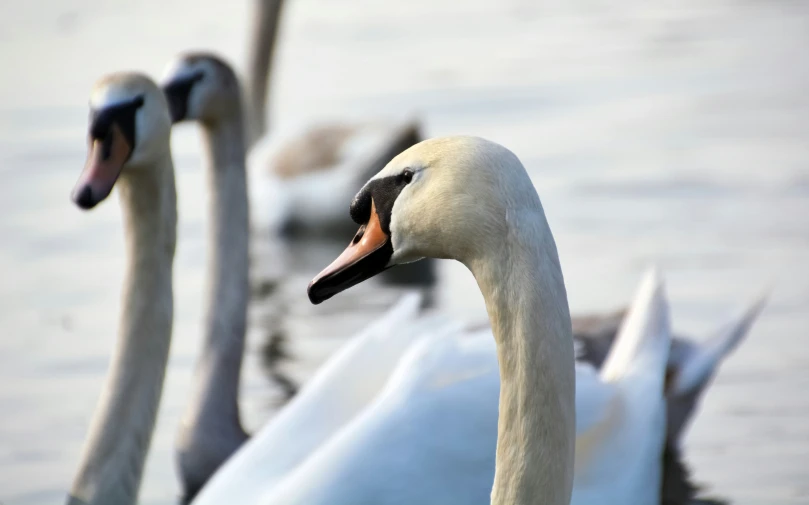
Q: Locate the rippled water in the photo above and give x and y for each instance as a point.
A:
(674, 132)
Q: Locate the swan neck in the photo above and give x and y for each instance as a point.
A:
(261, 48)
(526, 300)
(217, 374)
(121, 431)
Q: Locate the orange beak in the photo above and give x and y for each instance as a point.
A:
(367, 255)
(104, 163)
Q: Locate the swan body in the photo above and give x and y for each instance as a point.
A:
(130, 149)
(342, 387)
(431, 435)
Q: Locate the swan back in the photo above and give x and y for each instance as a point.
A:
(341, 388)
(431, 432)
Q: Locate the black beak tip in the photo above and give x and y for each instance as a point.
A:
(316, 296)
(84, 198)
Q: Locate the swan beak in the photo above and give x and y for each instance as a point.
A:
(104, 163)
(367, 255)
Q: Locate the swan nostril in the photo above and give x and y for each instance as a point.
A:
(106, 147)
(358, 236)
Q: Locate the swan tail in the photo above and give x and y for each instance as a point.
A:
(641, 347)
(697, 369)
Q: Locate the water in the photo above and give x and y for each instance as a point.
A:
(674, 132)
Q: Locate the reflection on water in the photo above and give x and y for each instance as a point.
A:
(654, 131)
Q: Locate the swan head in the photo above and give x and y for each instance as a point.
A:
(129, 129)
(201, 87)
(446, 198)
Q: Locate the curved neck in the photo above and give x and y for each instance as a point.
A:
(114, 454)
(526, 300)
(214, 403)
(261, 47)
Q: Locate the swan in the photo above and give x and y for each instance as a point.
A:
(400, 448)
(471, 200)
(301, 178)
(211, 428)
(129, 136)
(202, 87)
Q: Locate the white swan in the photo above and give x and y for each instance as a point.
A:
(430, 437)
(300, 180)
(130, 131)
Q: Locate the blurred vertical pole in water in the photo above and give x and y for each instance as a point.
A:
(260, 51)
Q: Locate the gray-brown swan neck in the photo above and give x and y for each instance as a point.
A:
(121, 431)
(224, 145)
(266, 16)
(525, 296)
(227, 290)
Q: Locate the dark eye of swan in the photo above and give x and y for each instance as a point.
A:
(407, 176)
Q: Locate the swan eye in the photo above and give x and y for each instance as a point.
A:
(407, 176)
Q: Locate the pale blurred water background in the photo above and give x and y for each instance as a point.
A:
(667, 131)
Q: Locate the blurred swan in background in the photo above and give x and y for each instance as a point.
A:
(211, 428)
(130, 130)
(301, 180)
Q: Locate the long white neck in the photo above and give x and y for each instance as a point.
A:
(214, 409)
(115, 452)
(526, 300)
(261, 48)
